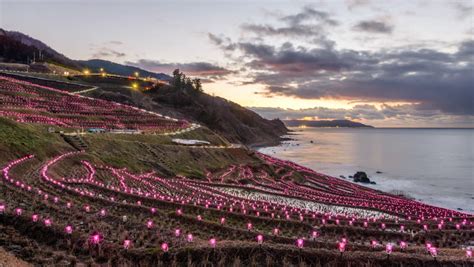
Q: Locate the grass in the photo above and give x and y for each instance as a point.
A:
(21, 139)
(139, 153)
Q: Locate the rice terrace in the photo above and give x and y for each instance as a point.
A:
(193, 143)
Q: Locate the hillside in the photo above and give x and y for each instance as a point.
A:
(236, 123)
(126, 199)
(16, 47)
(111, 67)
(325, 123)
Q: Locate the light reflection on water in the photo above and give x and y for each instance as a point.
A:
(433, 165)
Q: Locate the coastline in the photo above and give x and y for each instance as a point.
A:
(387, 182)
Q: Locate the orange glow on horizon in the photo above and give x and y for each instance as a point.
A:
(250, 95)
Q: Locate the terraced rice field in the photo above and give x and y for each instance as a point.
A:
(68, 210)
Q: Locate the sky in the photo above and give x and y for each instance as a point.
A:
(385, 63)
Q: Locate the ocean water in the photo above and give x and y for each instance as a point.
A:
(435, 166)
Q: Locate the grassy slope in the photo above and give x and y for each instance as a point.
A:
(139, 153)
(18, 140)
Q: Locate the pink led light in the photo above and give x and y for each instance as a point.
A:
(149, 224)
(179, 212)
(95, 239)
(222, 220)
(314, 234)
(276, 231)
(164, 247)
(300, 243)
(403, 245)
(212, 242)
(402, 228)
(342, 246)
(68, 229)
(199, 218)
(433, 252)
(2, 208)
(18, 212)
(126, 244)
(260, 239)
(177, 232)
(103, 212)
(87, 208)
(468, 253)
(428, 246)
(47, 222)
(249, 226)
(34, 217)
(153, 210)
(374, 243)
(389, 248)
(189, 237)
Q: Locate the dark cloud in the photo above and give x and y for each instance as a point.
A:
(223, 42)
(432, 80)
(309, 24)
(436, 80)
(310, 14)
(200, 69)
(373, 26)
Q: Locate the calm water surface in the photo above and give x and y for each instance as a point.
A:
(435, 166)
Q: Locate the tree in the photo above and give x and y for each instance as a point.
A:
(197, 84)
(177, 78)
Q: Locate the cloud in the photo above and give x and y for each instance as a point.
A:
(105, 52)
(200, 69)
(321, 113)
(353, 4)
(437, 80)
(224, 43)
(433, 81)
(464, 9)
(373, 26)
(310, 14)
(398, 115)
(309, 24)
(113, 42)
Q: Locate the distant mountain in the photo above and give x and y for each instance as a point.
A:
(125, 70)
(325, 123)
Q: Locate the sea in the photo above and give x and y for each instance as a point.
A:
(434, 166)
